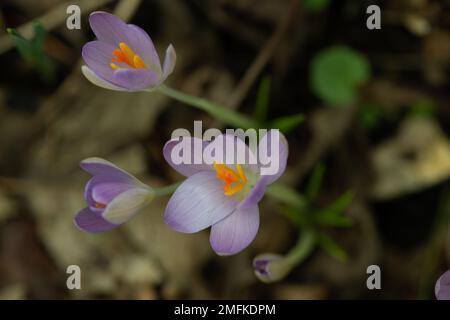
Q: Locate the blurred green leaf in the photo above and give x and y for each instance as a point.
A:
(332, 215)
(296, 216)
(332, 247)
(341, 203)
(336, 73)
(423, 108)
(316, 5)
(315, 182)
(262, 100)
(288, 123)
(32, 51)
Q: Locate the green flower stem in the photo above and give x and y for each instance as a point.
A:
(287, 195)
(220, 112)
(302, 249)
(167, 190)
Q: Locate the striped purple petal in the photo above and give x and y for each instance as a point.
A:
(89, 221)
(265, 148)
(442, 288)
(173, 154)
(111, 30)
(234, 233)
(198, 203)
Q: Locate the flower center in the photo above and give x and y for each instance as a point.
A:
(124, 54)
(99, 205)
(234, 181)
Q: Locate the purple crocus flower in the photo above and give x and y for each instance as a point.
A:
(442, 288)
(271, 267)
(113, 196)
(223, 197)
(123, 57)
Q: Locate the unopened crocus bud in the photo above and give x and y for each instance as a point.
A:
(113, 196)
(270, 267)
(442, 288)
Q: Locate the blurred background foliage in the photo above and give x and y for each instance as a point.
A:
(366, 113)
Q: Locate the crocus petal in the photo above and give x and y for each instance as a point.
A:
(92, 77)
(186, 169)
(234, 233)
(256, 194)
(169, 62)
(112, 30)
(143, 45)
(135, 79)
(105, 188)
(282, 152)
(442, 288)
(99, 166)
(89, 221)
(97, 56)
(198, 203)
(123, 207)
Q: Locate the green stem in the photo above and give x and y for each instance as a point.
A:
(220, 112)
(302, 249)
(287, 195)
(167, 190)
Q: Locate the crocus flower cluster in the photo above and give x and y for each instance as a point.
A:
(113, 196)
(123, 57)
(442, 288)
(223, 197)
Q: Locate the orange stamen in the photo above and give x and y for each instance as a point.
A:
(233, 181)
(124, 54)
(99, 205)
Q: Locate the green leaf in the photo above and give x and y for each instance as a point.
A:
(341, 203)
(332, 247)
(32, 51)
(288, 123)
(262, 100)
(315, 182)
(336, 73)
(316, 5)
(295, 215)
(332, 215)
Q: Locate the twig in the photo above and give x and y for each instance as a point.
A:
(263, 57)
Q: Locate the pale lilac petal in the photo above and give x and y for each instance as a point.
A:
(256, 194)
(112, 30)
(135, 79)
(169, 62)
(198, 203)
(97, 56)
(88, 221)
(442, 288)
(108, 28)
(234, 233)
(99, 166)
(143, 46)
(264, 149)
(125, 205)
(105, 188)
(173, 155)
(96, 80)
